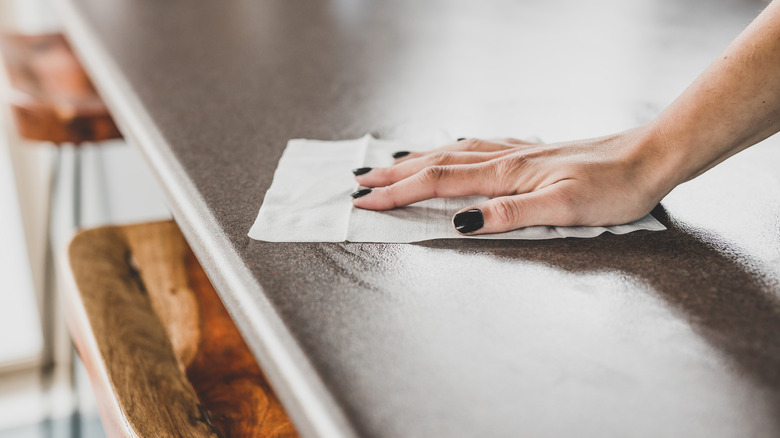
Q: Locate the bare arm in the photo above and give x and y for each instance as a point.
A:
(732, 105)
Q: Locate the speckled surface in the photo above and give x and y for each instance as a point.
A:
(673, 333)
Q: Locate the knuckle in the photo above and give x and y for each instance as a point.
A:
(515, 161)
(432, 174)
(511, 163)
(507, 168)
(442, 158)
(506, 211)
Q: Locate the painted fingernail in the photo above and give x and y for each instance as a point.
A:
(468, 221)
(361, 170)
(401, 154)
(361, 193)
(461, 139)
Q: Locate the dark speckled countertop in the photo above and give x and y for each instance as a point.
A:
(673, 333)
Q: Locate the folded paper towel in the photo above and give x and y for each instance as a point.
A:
(309, 202)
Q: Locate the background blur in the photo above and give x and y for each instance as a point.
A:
(44, 389)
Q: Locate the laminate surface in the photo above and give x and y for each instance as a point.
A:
(673, 333)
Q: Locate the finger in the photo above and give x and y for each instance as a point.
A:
(462, 145)
(384, 176)
(431, 182)
(548, 206)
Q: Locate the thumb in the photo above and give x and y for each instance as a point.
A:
(509, 213)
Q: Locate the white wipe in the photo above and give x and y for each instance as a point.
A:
(309, 202)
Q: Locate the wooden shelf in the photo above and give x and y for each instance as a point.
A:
(163, 354)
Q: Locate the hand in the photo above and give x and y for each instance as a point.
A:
(732, 105)
(605, 181)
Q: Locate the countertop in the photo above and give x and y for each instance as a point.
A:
(672, 333)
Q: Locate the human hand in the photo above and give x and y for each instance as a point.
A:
(604, 181)
(611, 180)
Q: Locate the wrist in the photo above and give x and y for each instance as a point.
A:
(658, 159)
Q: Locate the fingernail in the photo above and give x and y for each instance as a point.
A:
(401, 154)
(468, 221)
(361, 170)
(361, 193)
(461, 139)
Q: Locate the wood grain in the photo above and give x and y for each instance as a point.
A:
(163, 353)
(53, 99)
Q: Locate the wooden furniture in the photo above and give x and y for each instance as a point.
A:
(671, 333)
(52, 98)
(163, 355)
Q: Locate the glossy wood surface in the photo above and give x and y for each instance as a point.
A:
(52, 99)
(673, 333)
(163, 354)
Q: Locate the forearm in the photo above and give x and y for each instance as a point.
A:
(732, 105)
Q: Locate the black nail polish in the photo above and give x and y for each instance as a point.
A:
(468, 221)
(361, 193)
(462, 138)
(361, 170)
(401, 154)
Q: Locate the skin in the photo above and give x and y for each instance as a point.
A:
(616, 179)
